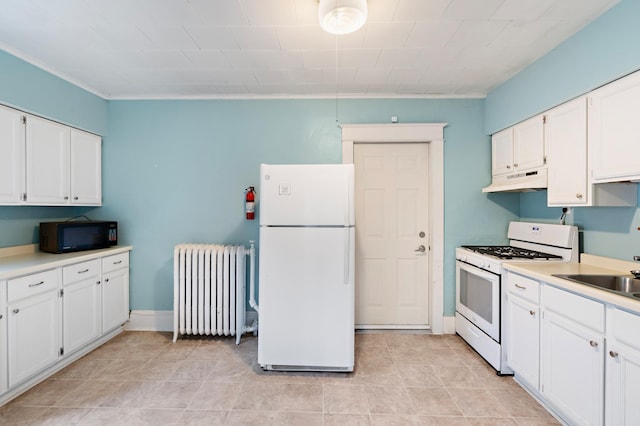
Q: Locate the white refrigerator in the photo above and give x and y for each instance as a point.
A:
(306, 260)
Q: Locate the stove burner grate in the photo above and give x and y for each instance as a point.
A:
(509, 252)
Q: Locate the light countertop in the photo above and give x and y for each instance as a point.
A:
(589, 264)
(23, 260)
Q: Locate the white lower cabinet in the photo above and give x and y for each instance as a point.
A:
(52, 317)
(115, 291)
(4, 381)
(33, 324)
(572, 356)
(523, 333)
(622, 391)
(81, 305)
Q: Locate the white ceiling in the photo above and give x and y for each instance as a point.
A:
(123, 49)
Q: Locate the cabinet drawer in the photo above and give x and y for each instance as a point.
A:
(114, 262)
(625, 328)
(524, 287)
(80, 271)
(32, 284)
(577, 308)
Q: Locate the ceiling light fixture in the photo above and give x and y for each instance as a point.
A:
(342, 16)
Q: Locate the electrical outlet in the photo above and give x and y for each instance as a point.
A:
(567, 210)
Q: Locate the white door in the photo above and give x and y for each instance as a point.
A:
(392, 241)
(81, 313)
(523, 348)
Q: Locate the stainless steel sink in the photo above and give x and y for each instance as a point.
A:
(626, 285)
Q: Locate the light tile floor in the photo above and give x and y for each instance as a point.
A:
(400, 379)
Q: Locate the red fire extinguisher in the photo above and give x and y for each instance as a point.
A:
(250, 203)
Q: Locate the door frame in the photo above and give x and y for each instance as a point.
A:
(433, 135)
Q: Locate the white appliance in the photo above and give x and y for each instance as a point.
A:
(306, 258)
(479, 278)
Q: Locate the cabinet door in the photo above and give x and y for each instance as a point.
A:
(572, 366)
(502, 152)
(34, 335)
(3, 338)
(86, 175)
(47, 165)
(623, 386)
(614, 127)
(528, 144)
(11, 156)
(81, 314)
(115, 299)
(623, 368)
(565, 134)
(523, 339)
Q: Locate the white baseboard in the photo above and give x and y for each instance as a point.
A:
(449, 325)
(163, 320)
(150, 321)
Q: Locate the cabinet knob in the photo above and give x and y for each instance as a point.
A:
(593, 343)
(75, 198)
(97, 282)
(106, 280)
(1, 316)
(532, 313)
(508, 166)
(66, 197)
(579, 196)
(515, 165)
(613, 354)
(15, 311)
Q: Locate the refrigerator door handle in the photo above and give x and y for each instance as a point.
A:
(347, 253)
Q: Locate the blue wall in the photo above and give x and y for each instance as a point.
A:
(33, 90)
(175, 171)
(603, 51)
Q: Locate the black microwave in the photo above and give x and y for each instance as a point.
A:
(65, 237)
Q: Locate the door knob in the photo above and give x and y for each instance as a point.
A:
(421, 249)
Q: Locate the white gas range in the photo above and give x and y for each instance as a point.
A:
(479, 278)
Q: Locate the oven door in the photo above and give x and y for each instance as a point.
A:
(478, 298)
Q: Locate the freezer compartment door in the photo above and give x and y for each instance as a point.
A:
(306, 299)
(310, 194)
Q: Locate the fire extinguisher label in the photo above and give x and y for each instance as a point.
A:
(251, 207)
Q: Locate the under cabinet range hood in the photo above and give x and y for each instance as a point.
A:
(525, 181)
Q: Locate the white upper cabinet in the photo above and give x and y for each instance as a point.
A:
(47, 162)
(86, 171)
(518, 148)
(569, 183)
(565, 134)
(502, 152)
(614, 131)
(11, 156)
(528, 144)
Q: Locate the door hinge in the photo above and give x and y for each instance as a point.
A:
(24, 119)
(61, 292)
(24, 196)
(544, 119)
(61, 351)
(544, 160)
